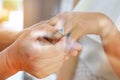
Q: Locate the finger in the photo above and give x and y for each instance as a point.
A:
(74, 36)
(74, 52)
(45, 32)
(52, 33)
(42, 33)
(62, 21)
(49, 30)
(72, 45)
(69, 23)
(69, 45)
(76, 48)
(56, 37)
(68, 27)
(42, 41)
(61, 43)
(77, 34)
(37, 24)
(47, 27)
(53, 21)
(60, 26)
(64, 24)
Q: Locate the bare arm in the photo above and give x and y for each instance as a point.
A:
(67, 71)
(7, 63)
(82, 23)
(7, 37)
(111, 43)
(33, 54)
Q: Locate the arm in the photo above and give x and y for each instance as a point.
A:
(111, 43)
(17, 56)
(68, 69)
(82, 23)
(33, 53)
(7, 37)
(7, 63)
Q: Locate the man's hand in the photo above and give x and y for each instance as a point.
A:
(39, 50)
(36, 55)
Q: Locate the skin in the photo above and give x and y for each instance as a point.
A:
(27, 54)
(10, 36)
(35, 49)
(79, 24)
(6, 40)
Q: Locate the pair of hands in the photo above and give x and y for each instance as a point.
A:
(41, 50)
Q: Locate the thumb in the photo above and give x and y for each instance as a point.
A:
(77, 34)
(53, 21)
(72, 44)
(62, 42)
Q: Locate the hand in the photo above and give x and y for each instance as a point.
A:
(79, 24)
(36, 55)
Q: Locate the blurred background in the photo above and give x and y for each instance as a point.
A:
(19, 14)
(11, 14)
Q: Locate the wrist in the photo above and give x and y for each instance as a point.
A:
(107, 27)
(16, 35)
(8, 64)
(7, 38)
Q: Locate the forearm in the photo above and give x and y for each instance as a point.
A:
(111, 42)
(67, 71)
(7, 37)
(7, 64)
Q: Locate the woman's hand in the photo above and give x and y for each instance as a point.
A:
(78, 24)
(35, 53)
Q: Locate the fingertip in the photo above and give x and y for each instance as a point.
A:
(74, 52)
(77, 46)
